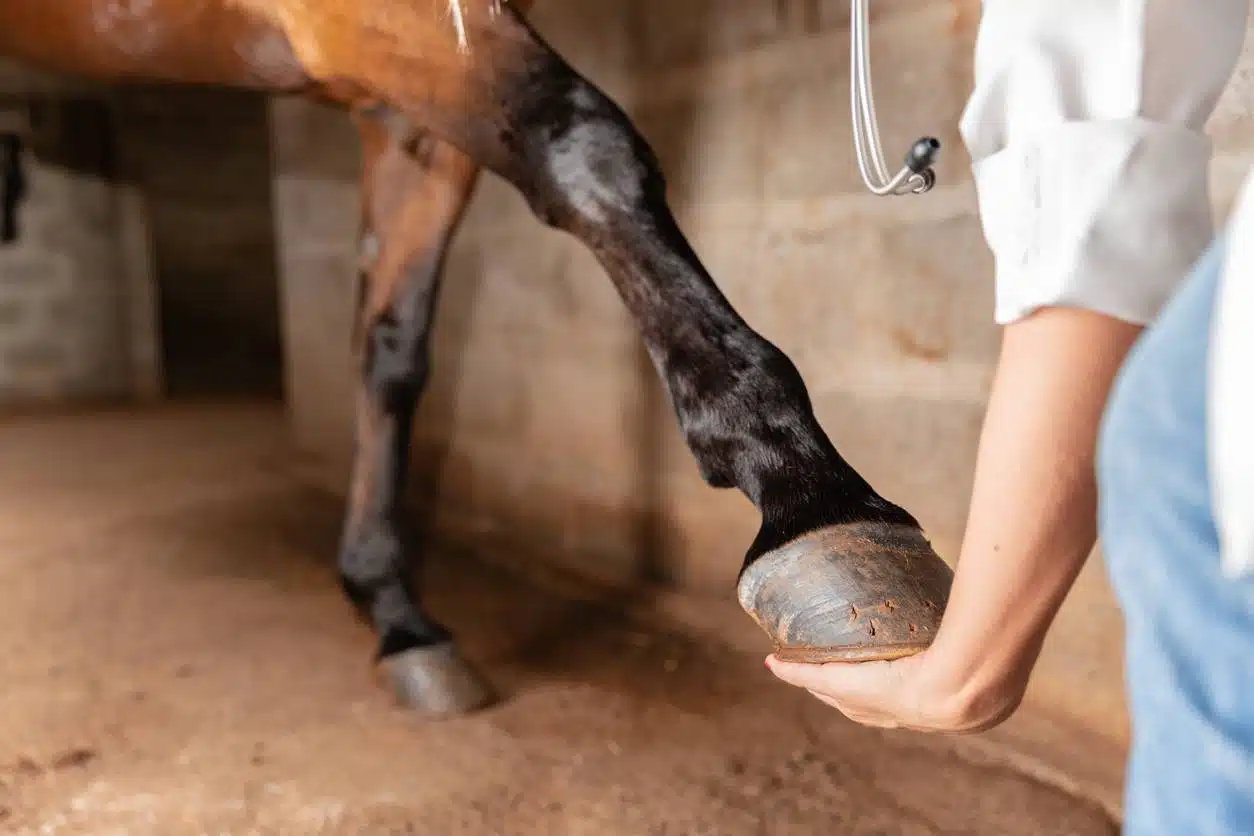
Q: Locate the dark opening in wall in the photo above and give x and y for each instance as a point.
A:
(202, 159)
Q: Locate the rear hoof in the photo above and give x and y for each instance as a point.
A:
(860, 592)
(436, 681)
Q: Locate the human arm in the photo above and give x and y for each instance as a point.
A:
(1086, 132)
(1031, 525)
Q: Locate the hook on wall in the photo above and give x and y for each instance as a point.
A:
(15, 123)
(12, 184)
(15, 120)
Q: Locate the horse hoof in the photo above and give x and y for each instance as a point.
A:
(437, 682)
(860, 592)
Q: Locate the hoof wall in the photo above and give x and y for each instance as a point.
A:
(852, 593)
(437, 682)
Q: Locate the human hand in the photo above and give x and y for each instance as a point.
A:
(1033, 523)
(912, 693)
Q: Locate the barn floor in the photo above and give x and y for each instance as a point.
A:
(175, 658)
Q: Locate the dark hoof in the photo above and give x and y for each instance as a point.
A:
(436, 681)
(851, 593)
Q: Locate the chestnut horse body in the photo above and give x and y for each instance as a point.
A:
(441, 89)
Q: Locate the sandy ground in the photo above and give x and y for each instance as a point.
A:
(175, 658)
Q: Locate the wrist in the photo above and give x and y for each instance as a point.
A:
(975, 686)
(1033, 509)
(980, 663)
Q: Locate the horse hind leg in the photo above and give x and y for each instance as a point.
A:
(415, 189)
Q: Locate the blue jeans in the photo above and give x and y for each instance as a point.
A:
(1190, 630)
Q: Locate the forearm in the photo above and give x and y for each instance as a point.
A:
(1033, 508)
(1086, 128)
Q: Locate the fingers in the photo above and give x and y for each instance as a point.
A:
(824, 698)
(885, 695)
(860, 691)
(858, 715)
(810, 677)
(840, 680)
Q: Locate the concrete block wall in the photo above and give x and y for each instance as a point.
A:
(544, 430)
(316, 161)
(76, 309)
(65, 309)
(61, 309)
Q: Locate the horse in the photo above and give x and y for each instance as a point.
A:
(440, 91)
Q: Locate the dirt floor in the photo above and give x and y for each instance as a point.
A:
(175, 658)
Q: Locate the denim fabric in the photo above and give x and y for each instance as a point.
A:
(1190, 631)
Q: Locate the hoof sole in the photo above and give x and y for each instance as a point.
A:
(436, 682)
(861, 592)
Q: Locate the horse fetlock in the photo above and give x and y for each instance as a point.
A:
(745, 413)
(716, 460)
(402, 630)
(396, 616)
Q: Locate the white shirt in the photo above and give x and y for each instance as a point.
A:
(1087, 132)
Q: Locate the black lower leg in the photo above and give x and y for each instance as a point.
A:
(373, 560)
(740, 401)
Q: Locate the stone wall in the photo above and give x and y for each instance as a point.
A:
(75, 306)
(316, 157)
(545, 432)
(147, 263)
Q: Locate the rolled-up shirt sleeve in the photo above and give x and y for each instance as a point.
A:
(1086, 129)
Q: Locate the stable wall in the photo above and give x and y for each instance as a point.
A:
(201, 158)
(146, 263)
(545, 433)
(76, 305)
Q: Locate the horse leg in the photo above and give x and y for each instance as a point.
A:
(414, 191)
(836, 571)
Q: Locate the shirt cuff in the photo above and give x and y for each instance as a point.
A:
(1107, 216)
